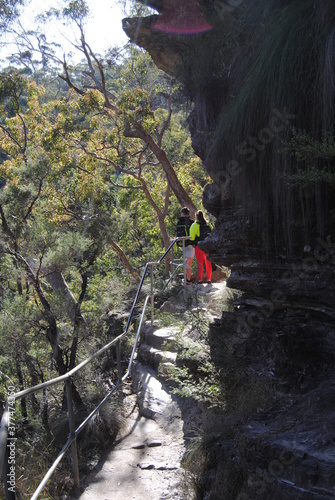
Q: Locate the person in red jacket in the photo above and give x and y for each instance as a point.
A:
(199, 230)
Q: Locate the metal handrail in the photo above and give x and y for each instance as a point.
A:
(71, 441)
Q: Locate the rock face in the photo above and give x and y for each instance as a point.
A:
(262, 84)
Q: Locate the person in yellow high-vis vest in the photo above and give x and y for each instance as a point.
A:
(199, 230)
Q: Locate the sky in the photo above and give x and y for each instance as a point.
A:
(104, 29)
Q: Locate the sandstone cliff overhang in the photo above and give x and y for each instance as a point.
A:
(164, 49)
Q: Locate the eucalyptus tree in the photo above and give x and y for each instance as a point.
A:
(8, 12)
(96, 136)
(54, 225)
(94, 74)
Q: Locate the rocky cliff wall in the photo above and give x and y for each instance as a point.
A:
(262, 84)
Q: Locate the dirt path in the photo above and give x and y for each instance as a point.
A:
(145, 462)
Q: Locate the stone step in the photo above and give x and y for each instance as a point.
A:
(160, 338)
(153, 398)
(154, 357)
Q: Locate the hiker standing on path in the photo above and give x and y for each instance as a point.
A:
(183, 229)
(199, 230)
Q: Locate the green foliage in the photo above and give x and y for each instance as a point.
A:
(8, 12)
(195, 375)
(13, 90)
(314, 159)
(12, 85)
(303, 148)
(76, 9)
(135, 104)
(23, 343)
(204, 386)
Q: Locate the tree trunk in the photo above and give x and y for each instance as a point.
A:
(52, 332)
(78, 320)
(161, 222)
(176, 186)
(125, 261)
(59, 285)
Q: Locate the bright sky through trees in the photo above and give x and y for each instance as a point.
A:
(104, 28)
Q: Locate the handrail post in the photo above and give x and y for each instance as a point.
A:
(172, 261)
(118, 361)
(119, 370)
(152, 293)
(72, 428)
(184, 263)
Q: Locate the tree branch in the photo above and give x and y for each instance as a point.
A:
(30, 208)
(166, 201)
(68, 80)
(101, 85)
(166, 123)
(8, 132)
(181, 195)
(125, 261)
(5, 226)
